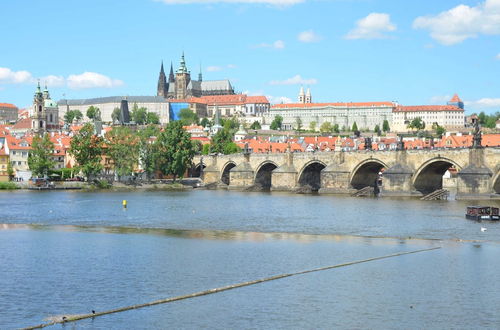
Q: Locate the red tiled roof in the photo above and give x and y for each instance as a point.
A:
(7, 105)
(225, 99)
(425, 108)
(15, 143)
(257, 99)
(455, 99)
(22, 124)
(340, 104)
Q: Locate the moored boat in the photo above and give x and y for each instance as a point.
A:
(482, 213)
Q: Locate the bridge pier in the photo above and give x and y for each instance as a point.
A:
(211, 173)
(241, 176)
(335, 179)
(474, 180)
(397, 181)
(284, 178)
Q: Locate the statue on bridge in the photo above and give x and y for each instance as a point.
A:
(368, 143)
(401, 143)
(476, 140)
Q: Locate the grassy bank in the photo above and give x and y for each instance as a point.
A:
(8, 186)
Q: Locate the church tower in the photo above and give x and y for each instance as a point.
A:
(38, 120)
(162, 83)
(302, 95)
(171, 77)
(182, 79)
(308, 96)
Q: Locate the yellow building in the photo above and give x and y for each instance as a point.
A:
(4, 162)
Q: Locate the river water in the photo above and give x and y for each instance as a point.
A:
(65, 253)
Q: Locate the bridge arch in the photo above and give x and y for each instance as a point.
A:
(310, 175)
(366, 173)
(495, 183)
(225, 177)
(429, 176)
(263, 175)
(196, 170)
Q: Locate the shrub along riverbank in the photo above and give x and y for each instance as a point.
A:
(8, 186)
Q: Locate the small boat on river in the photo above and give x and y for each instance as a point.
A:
(482, 213)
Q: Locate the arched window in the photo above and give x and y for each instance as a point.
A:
(50, 120)
(39, 108)
(41, 124)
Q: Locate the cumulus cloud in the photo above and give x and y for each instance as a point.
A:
(7, 76)
(53, 81)
(278, 44)
(308, 36)
(278, 99)
(267, 2)
(92, 80)
(373, 26)
(213, 68)
(462, 22)
(484, 103)
(295, 80)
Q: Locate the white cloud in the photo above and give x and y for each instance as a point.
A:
(484, 103)
(214, 68)
(278, 99)
(498, 57)
(295, 80)
(440, 99)
(267, 2)
(7, 76)
(308, 36)
(92, 80)
(53, 81)
(372, 26)
(462, 22)
(278, 44)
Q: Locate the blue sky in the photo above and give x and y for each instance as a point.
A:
(412, 52)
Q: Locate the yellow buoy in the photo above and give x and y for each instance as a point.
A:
(124, 203)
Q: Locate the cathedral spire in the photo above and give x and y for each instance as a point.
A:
(162, 83)
(171, 77)
(161, 70)
(200, 77)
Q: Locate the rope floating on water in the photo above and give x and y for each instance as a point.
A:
(73, 318)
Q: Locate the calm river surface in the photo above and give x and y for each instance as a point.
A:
(65, 253)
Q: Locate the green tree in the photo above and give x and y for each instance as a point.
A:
(205, 122)
(176, 150)
(87, 149)
(152, 118)
(10, 171)
(231, 148)
(40, 157)
(122, 146)
(326, 127)
(220, 141)
(115, 115)
(188, 117)
(417, 123)
(385, 126)
(377, 130)
(92, 111)
(298, 123)
(69, 116)
(440, 130)
(336, 128)
(206, 149)
(148, 149)
(354, 127)
(277, 122)
(255, 125)
(139, 115)
(312, 126)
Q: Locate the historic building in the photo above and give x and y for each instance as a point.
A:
(450, 116)
(8, 113)
(44, 113)
(181, 86)
(106, 105)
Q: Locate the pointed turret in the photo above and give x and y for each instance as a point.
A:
(301, 95)
(308, 96)
(200, 78)
(46, 94)
(171, 77)
(182, 66)
(162, 83)
(456, 101)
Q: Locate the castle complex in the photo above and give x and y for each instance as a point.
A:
(181, 86)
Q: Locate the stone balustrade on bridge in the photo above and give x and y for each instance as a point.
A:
(405, 172)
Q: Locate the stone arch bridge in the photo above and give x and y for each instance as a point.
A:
(406, 172)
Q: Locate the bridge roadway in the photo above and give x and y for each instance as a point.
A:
(406, 172)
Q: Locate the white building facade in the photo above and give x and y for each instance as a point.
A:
(106, 105)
